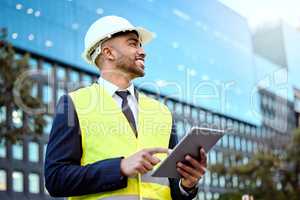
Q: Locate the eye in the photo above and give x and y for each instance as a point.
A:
(134, 44)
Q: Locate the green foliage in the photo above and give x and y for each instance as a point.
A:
(11, 67)
(269, 175)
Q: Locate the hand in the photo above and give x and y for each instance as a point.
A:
(141, 162)
(193, 172)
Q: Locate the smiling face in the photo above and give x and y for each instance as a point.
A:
(125, 54)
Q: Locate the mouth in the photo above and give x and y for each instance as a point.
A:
(141, 62)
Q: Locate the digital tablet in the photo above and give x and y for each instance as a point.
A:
(190, 144)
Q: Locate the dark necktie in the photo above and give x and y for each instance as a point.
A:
(126, 109)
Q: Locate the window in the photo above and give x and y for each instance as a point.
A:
(255, 146)
(194, 114)
(17, 118)
(219, 157)
(234, 181)
(34, 183)
(60, 74)
(18, 181)
(222, 181)
(180, 128)
(47, 94)
(33, 151)
(47, 70)
(17, 151)
(225, 141)
(207, 178)
(215, 179)
(216, 196)
(2, 149)
(249, 146)
(208, 196)
(74, 76)
(237, 143)
(212, 157)
(48, 125)
(244, 144)
(2, 113)
(202, 116)
(44, 151)
(231, 141)
(34, 90)
(60, 92)
(3, 180)
(33, 63)
(86, 79)
(200, 195)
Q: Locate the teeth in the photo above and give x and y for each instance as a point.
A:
(141, 62)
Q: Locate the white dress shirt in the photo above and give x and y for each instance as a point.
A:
(132, 100)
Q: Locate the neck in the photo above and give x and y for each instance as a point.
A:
(119, 79)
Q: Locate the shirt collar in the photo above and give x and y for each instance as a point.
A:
(112, 88)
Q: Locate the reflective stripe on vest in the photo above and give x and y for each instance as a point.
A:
(106, 133)
(150, 179)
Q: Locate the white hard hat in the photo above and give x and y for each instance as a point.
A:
(104, 28)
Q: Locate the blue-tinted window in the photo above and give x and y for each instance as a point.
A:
(2, 148)
(33, 151)
(34, 183)
(2, 113)
(17, 151)
(3, 180)
(17, 118)
(48, 125)
(18, 181)
(60, 73)
(47, 94)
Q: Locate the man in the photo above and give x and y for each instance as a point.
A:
(106, 138)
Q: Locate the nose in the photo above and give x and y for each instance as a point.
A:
(141, 52)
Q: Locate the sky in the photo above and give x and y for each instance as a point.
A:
(259, 11)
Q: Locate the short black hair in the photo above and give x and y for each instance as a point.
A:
(125, 33)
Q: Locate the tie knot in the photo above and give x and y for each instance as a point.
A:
(123, 94)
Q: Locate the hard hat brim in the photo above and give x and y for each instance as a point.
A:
(145, 36)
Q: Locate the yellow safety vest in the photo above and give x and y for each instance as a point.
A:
(106, 133)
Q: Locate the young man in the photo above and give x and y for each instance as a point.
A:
(107, 137)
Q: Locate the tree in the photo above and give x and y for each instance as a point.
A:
(269, 175)
(10, 69)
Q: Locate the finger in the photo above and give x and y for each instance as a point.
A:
(152, 159)
(195, 163)
(186, 175)
(191, 171)
(141, 169)
(147, 165)
(157, 150)
(203, 157)
(203, 170)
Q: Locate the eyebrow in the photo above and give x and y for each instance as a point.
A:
(134, 39)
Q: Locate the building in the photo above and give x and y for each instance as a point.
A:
(194, 87)
(297, 105)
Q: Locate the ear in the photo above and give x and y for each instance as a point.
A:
(108, 53)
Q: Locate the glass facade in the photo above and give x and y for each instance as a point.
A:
(184, 64)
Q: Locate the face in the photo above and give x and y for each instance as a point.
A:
(128, 54)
